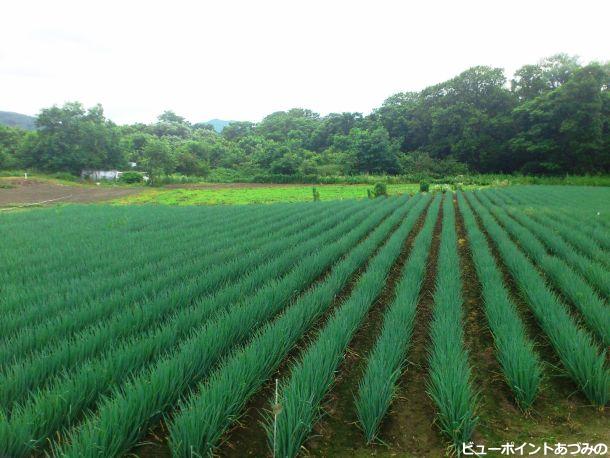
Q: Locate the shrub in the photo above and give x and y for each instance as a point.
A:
(381, 189)
(424, 186)
(223, 175)
(131, 177)
(316, 194)
(66, 176)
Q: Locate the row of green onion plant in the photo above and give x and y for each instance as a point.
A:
(575, 347)
(203, 418)
(386, 360)
(450, 378)
(591, 306)
(515, 351)
(302, 392)
(124, 417)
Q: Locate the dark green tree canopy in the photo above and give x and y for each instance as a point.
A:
(531, 81)
(553, 118)
(71, 138)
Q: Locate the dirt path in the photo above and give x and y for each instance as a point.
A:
(16, 192)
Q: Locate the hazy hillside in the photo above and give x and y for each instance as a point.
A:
(9, 118)
(218, 124)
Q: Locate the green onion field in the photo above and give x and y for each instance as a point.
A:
(395, 326)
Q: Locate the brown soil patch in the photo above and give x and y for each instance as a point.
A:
(32, 191)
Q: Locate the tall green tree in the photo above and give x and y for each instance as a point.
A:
(331, 125)
(373, 150)
(531, 81)
(157, 158)
(554, 118)
(566, 129)
(237, 130)
(11, 140)
(405, 120)
(297, 125)
(71, 138)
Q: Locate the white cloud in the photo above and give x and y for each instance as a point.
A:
(245, 59)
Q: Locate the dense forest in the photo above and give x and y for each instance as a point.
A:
(550, 118)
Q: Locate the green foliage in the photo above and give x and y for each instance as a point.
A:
(210, 412)
(65, 176)
(72, 139)
(515, 352)
(449, 384)
(310, 378)
(237, 130)
(316, 194)
(424, 186)
(135, 407)
(222, 175)
(296, 125)
(380, 190)
(580, 356)
(373, 150)
(210, 195)
(132, 177)
(189, 164)
(10, 141)
(555, 119)
(157, 159)
(565, 129)
(385, 363)
(531, 81)
(420, 162)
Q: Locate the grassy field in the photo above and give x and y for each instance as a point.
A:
(399, 326)
(256, 194)
(53, 189)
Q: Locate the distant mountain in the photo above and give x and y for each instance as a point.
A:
(8, 118)
(11, 119)
(218, 124)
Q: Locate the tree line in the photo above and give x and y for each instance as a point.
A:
(552, 117)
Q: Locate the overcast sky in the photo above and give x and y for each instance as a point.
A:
(242, 60)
